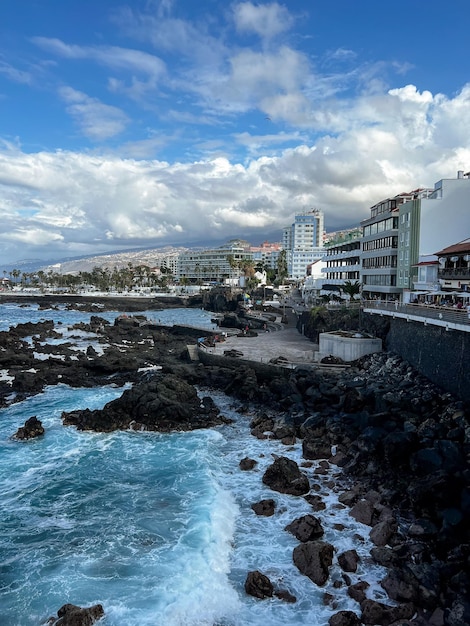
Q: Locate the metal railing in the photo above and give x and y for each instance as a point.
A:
(432, 314)
(455, 272)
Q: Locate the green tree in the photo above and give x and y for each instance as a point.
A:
(351, 289)
(16, 273)
(282, 267)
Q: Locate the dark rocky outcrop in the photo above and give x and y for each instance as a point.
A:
(72, 615)
(313, 559)
(247, 464)
(164, 403)
(258, 585)
(285, 476)
(32, 428)
(377, 613)
(264, 507)
(348, 560)
(344, 618)
(306, 528)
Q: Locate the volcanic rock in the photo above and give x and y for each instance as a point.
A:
(258, 585)
(164, 403)
(72, 615)
(284, 476)
(306, 528)
(313, 559)
(32, 428)
(264, 507)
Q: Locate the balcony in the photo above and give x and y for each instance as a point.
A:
(455, 273)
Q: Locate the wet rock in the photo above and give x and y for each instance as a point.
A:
(382, 532)
(377, 613)
(348, 560)
(32, 428)
(315, 502)
(344, 618)
(285, 596)
(72, 615)
(258, 585)
(306, 528)
(164, 403)
(313, 449)
(363, 511)
(313, 559)
(247, 464)
(264, 507)
(284, 476)
(358, 591)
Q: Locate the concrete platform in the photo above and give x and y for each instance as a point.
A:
(287, 343)
(346, 345)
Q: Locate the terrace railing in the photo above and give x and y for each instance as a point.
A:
(446, 316)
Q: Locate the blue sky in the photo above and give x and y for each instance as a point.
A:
(183, 122)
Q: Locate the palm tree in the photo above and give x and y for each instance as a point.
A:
(16, 274)
(351, 289)
(282, 267)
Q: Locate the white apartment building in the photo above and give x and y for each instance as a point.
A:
(303, 242)
(432, 220)
(213, 265)
(170, 263)
(267, 254)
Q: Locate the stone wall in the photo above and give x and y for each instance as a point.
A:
(440, 355)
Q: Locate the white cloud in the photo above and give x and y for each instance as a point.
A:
(112, 57)
(89, 202)
(17, 76)
(265, 20)
(98, 121)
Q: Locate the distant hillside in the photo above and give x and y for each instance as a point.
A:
(151, 257)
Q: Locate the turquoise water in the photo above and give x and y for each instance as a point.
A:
(157, 528)
(12, 314)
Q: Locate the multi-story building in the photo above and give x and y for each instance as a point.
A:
(426, 278)
(303, 242)
(343, 259)
(430, 221)
(379, 249)
(170, 263)
(454, 267)
(267, 254)
(213, 265)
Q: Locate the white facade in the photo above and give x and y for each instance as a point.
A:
(445, 214)
(303, 242)
(213, 265)
(432, 220)
(170, 263)
(313, 284)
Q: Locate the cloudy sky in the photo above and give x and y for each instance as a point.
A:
(158, 122)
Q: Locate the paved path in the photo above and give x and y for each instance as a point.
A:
(287, 342)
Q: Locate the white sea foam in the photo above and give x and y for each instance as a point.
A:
(158, 528)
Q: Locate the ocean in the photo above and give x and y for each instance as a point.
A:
(158, 528)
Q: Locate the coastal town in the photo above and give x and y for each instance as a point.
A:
(348, 352)
(414, 248)
(234, 313)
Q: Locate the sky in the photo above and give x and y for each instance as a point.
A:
(188, 123)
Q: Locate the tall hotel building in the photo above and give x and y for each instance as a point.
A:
(303, 242)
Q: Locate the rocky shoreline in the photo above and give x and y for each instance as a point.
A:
(402, 445)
